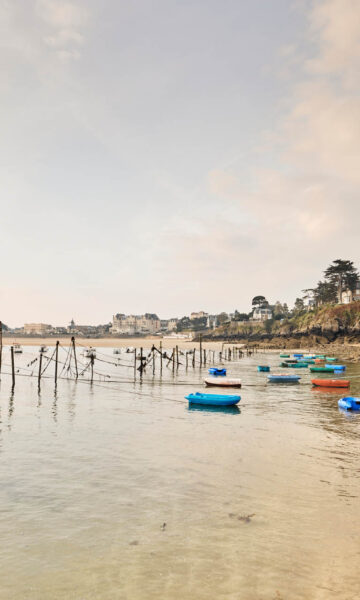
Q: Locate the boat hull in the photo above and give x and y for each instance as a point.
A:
(217, 372)
(264, 369)
(213, 399)
(214, 381)
(283, 378)
(322, 369)
(349, 403)
(331, 383)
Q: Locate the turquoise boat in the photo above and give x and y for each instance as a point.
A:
(336, 367)
(330, 358)
(263, 368)
(297, 365)
(217, 372)
(349, 403)
(308, 361)
(284, 355)
(322, 369)
(283, 378)
(213, 399)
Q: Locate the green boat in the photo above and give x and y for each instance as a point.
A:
(321, 356)
(322, 369)
(308, 361)
(331, 359)
(297, 365)
(284, 355)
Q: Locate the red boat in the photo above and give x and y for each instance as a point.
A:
(331, 383)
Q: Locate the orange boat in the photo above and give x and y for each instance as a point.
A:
(319, 360)
(331, 383)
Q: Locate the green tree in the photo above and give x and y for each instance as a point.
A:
(299, 305)
(222, 318)
(343, 274)
(258, 301)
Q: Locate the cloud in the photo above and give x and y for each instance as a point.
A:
(65, 22)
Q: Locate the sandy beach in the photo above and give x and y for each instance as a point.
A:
(117, 342)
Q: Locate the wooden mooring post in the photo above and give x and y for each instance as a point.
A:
(40, 365)
(56, 362)
(12, 366)
(201, 356)
(75, 359)
(161, 358)
(1, 347)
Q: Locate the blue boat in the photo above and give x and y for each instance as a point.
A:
(336, 367)
(217, 372)
(298, 355)
(283, 378)
(263, 368)
(213, 399)
(349, 403)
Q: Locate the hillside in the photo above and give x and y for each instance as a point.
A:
(325, 324)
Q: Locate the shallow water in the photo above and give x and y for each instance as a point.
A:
(90, 475)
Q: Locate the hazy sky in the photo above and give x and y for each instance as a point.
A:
(174, 155)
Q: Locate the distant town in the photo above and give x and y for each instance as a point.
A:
(341, 285)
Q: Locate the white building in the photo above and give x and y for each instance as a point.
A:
(348, 296)
(37, 328)
(262, 314)
(198, 315)
(135, 324)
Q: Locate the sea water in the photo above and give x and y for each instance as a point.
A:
(119, 490)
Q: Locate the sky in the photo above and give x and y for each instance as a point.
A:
(174, 155)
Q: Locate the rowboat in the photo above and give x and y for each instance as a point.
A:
(217, 372)
(297, 365)
(223, 382)
(349, 403)
(308, 361)
(334, 383)
(318, 361)
(284, 355)
(17, 349)
(322, 369)
(213, 399)
(330, 358)
(336, 367)
(263, 368)
(298, 355)
(283, 378)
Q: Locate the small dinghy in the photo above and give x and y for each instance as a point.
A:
(330, 358)
(217, 372)
(322, 369)
(17, 349)
(43, 349)
(349, 403)
(226, 382)
(298, 355)
(284, 355)
(331, 383)
(117, 351)
(265, 368)
(280, 378)
(213, 399)
(297, 365)
(336, 367)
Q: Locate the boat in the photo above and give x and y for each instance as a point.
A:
(89, 352)
(298, 355)
(43, 349)
(117, 351)
(308, 361)
(281, 378)
(320, 356)
(222, 382)
(213, 399)
(322, 369)
(217, 372)
(349, 403)
(284, 355)
(330, 358)
(266, 369)
(318, 361)
(296, 365)
(17, 349)
(336, 367)
(331, 383)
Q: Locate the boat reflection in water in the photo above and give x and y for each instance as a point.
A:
(229, 410)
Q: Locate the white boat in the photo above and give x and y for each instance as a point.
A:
(178, 336)
(222, 382)
(17, 349)
(89, 352)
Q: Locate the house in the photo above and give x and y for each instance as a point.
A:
(262, 313)
(37, 329)
(348, 296)
(198, 315)
(135, 324)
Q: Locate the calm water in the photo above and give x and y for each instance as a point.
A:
(90, 475)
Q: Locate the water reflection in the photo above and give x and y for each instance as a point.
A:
(233, 410)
